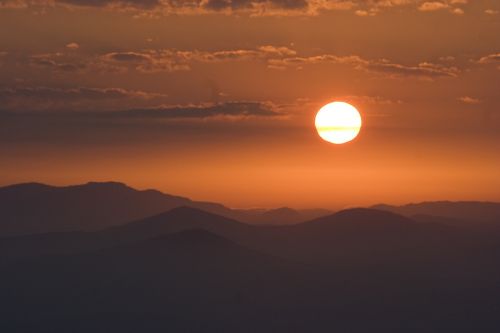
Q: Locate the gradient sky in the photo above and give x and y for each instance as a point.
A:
(215, 99)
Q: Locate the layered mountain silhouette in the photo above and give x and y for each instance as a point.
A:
(184, 280)
(188, 269)
(37, 208)
(459, 213)
(353, 237)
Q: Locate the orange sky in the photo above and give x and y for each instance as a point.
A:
(217, 101)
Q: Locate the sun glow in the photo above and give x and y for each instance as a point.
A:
(338, 122)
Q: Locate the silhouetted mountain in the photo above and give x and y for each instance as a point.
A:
(36, 208)
(175, 220)
(196, 281)
(181, 275)
(354, 236)
(461, 213)
(285, 214)
(359, 270)
(172, 221)
(363, 236)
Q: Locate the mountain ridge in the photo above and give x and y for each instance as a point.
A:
(29, 208)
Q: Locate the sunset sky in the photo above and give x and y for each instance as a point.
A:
(215, 99)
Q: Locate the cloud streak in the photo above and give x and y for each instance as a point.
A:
(252, 7)
(202, 111)
(72, 93)
(49, 98)
(490, 59)
(232, 109)
(382, 66)
(469, 100)
(274, 57)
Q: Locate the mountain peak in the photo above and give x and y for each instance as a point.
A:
(362, 213)
(366, 217)
(111, 184)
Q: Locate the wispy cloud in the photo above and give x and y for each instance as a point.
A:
(200, 111)
(46, 98)
(153, 8)
(382, 66)
(231, 109)
(490, 59)
(491, 12)
(469, 100)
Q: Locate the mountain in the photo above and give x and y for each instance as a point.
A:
(362, 236)
(180, 276)
(353, 237)
(37, 208)
(358, 270)
(460, 213)
(283, 215)
(175, 220)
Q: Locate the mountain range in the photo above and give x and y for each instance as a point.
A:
(188, 269)
(32, 208)
(38, 208)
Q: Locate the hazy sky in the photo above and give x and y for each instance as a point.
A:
(215, 99)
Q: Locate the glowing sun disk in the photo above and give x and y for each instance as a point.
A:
(338, 122)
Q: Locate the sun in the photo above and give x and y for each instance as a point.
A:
(338, 122)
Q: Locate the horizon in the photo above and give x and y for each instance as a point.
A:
(334, 208)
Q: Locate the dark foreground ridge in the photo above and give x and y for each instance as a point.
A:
(191, 270)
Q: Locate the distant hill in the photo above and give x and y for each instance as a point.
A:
(459, 213)
(184, 275)
(350, 237)
(188, 270)
(37, 208)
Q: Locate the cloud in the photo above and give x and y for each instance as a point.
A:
(13, 4)
(144, 61)
(42, 98)
(218, 5)
(383, 66)
(373, 100)
(490, 59)
(272, 56)
(57, 62)
(469, 100)
(72, 93)
(139, 4)
(432, 6)
(155, 8)
(232, 110)
(226, 109)
(73, 46)
(297, 62)
(424, 69)
(169, 60)
(491, 12)
(129, 57)
(131, 125)
(278, 51)
(361, 12)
